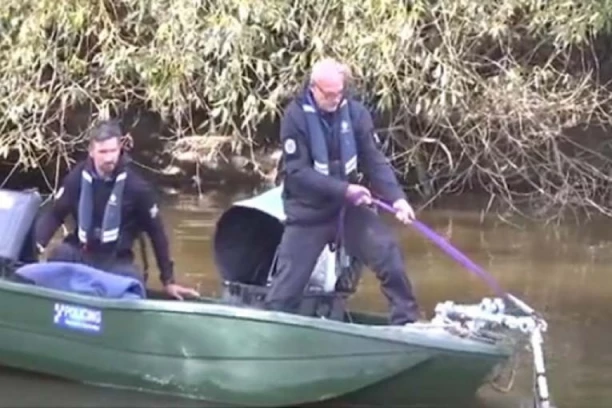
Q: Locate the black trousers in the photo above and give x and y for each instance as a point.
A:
(367, 238)
(67, 252)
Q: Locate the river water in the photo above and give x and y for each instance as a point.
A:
(562, 271)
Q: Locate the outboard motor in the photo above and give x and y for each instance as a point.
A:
(246, 243)
(18, 211)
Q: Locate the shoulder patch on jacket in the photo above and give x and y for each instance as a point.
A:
(290, 146)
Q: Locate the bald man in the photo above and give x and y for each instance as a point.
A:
(328, 139)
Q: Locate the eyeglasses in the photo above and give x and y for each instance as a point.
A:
(329, 94)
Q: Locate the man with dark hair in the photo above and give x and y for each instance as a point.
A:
(328, 139)
(111, 205)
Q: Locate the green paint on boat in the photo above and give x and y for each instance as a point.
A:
(235, 354)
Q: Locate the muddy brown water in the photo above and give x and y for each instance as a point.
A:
(562, 271)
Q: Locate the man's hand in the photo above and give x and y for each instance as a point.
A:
(178, 291)
(404, 213)
(358, 195)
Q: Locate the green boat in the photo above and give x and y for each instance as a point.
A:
(231, 352)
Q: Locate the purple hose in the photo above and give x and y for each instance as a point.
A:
(450, 250)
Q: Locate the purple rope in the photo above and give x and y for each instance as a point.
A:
(449, 249)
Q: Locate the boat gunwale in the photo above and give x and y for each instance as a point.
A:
(430, 338)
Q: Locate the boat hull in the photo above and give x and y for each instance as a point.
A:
(234, 356)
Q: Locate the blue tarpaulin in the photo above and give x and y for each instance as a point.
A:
(82, 279)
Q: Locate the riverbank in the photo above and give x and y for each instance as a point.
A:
(192, 165)
(199, 167)
(509, 99)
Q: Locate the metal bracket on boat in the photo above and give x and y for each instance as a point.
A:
(492, 312)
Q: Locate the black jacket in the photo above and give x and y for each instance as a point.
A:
(139, 213)
(310, 196)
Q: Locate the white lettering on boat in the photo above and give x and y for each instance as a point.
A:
(77, 317)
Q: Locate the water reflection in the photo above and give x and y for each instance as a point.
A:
(561, 271)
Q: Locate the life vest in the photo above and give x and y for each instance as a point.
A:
(318, 146)
(111, 222)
